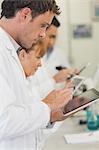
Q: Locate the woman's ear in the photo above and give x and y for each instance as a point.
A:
(22, 55)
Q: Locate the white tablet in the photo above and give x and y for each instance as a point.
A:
(81, 101)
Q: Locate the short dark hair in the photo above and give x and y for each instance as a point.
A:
(55, 22)
(11, 7)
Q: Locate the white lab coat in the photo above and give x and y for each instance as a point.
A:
(20, 115)
(42, 82)
(56, 58)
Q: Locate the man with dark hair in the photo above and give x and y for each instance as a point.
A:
(51, 36)
(55, 22)
(32, 9)
(55, 56)
(10, 7)
(22, 23)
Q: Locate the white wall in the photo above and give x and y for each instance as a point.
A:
(62, 40)
(82, 50)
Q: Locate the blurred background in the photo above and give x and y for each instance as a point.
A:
(79, 50)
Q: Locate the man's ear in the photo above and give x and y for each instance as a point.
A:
(25, 14)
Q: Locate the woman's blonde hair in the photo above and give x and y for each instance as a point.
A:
(39, 47)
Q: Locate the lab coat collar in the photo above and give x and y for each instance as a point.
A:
(6, 39)
(10, 46)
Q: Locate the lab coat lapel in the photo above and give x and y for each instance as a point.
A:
(4, 37)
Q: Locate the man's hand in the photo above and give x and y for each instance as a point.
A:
(57, 116)
(65, 74)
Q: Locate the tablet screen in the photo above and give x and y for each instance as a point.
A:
(81, 100)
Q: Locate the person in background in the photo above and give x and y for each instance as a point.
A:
(55, 57)
(30, 60)
(43, 81)
(22, 23)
